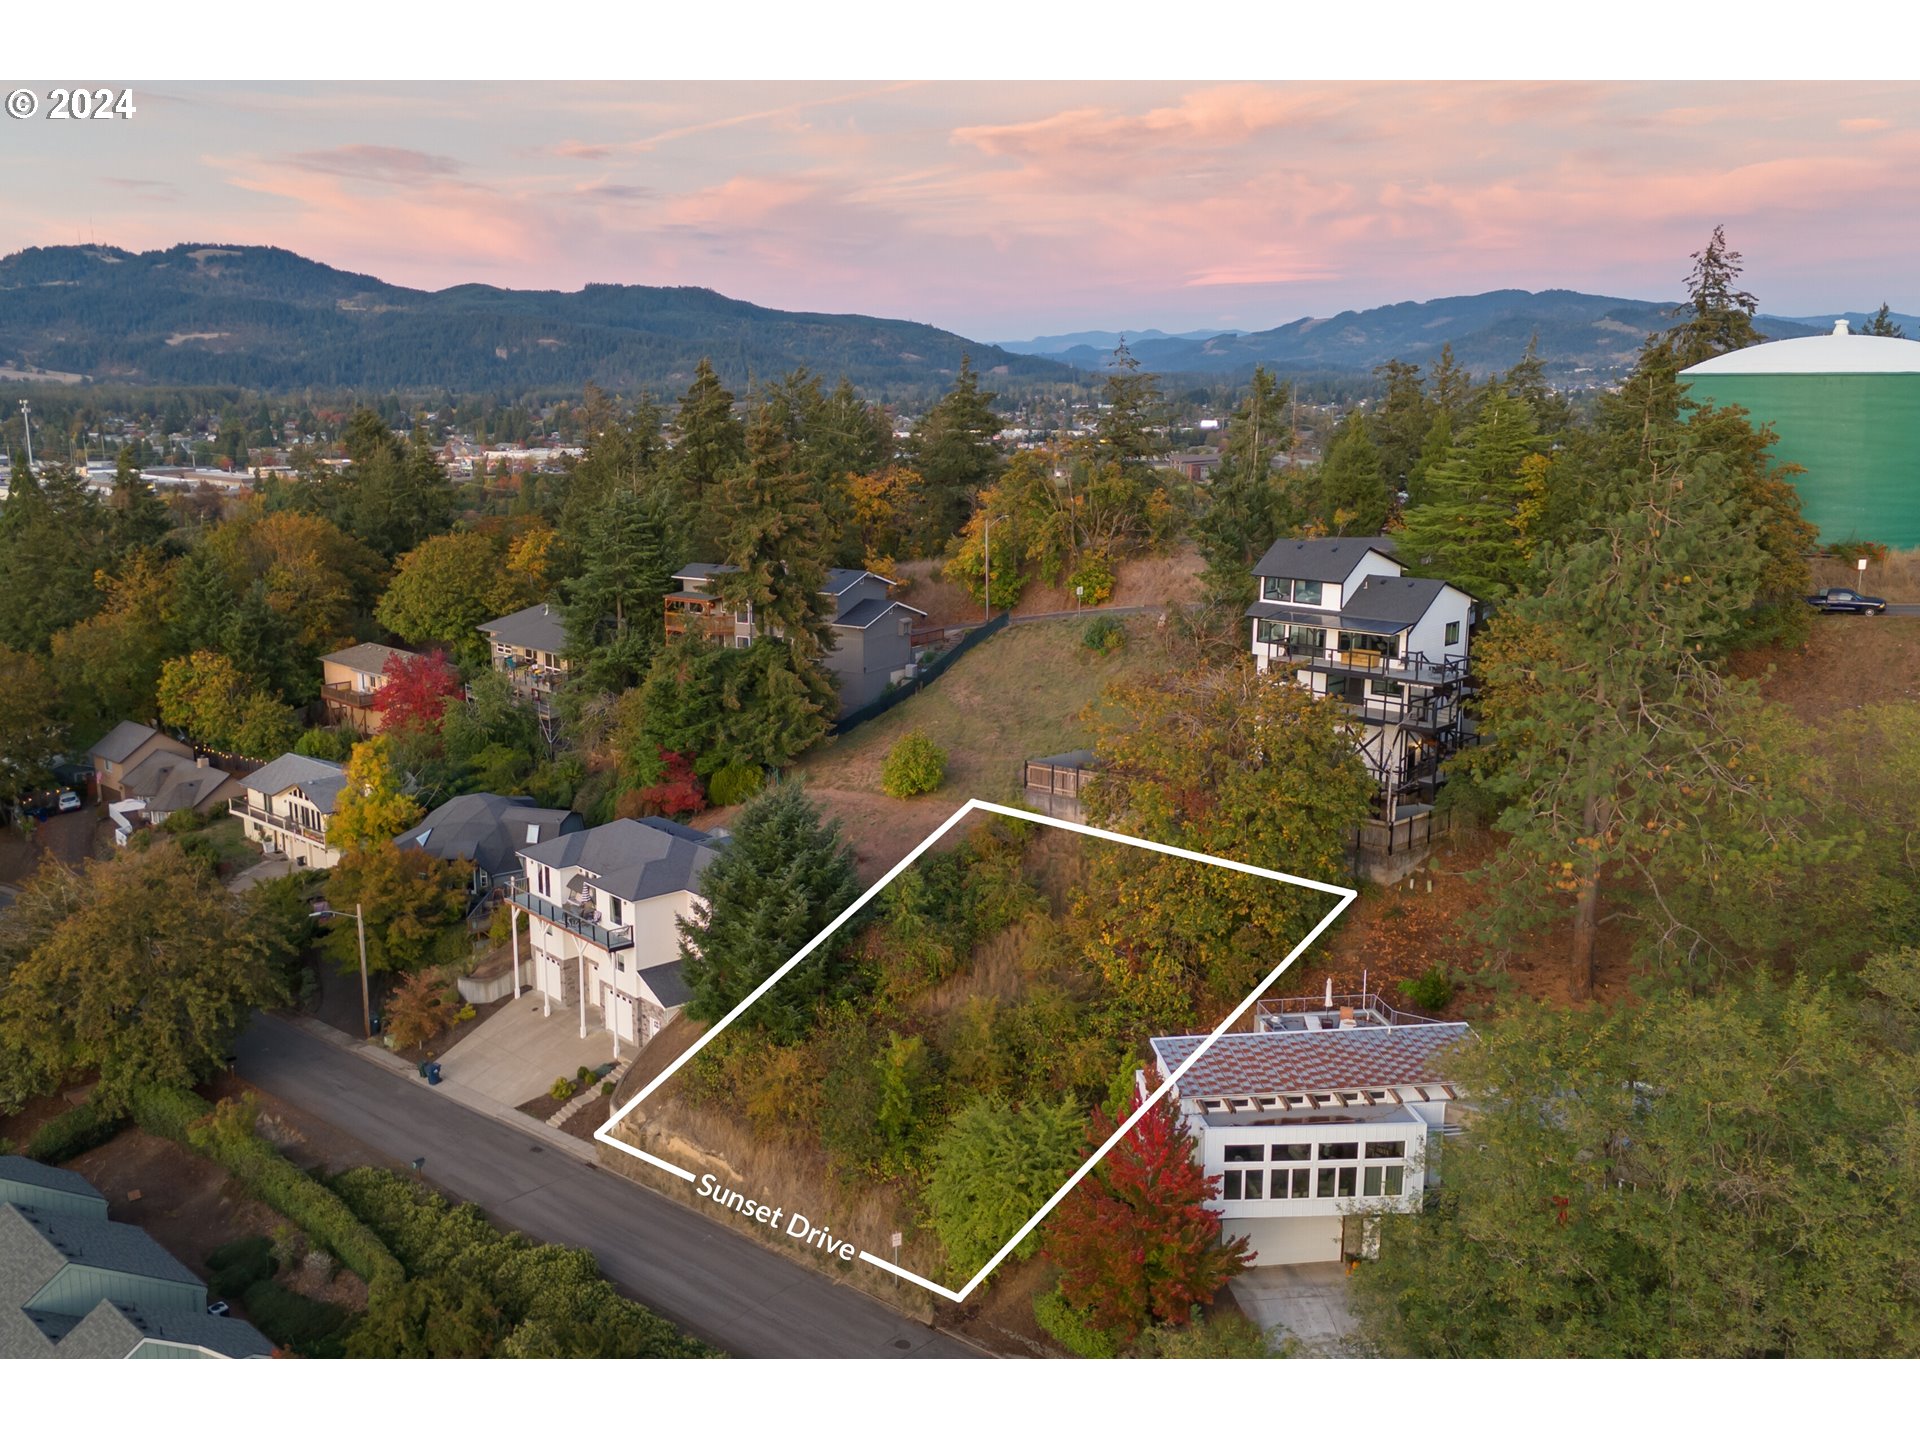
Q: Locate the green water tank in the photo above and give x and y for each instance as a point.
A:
(1847, 410)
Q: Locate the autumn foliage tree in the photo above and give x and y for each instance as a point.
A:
(415, 696)
(373, 807)
(1134, 1241)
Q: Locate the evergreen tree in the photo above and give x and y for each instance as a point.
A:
(140, 517)
(1452, 388)
(53, 537)
(775, 540)
(628, 552)
(1884, 324)
(1469, 529)
(1352, 493)
(1125, 430)
(1400, 423)
(1718, 315)
(1243, 513)
(783, 878)
(709, 441)
(952, 448)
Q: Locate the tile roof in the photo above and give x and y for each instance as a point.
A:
(537, 627)
(322, 780)
(369, 658)
(1329, 559)
(634, 859)
(1283, 1061)
(121, 741)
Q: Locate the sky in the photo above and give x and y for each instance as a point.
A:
(1008, 210)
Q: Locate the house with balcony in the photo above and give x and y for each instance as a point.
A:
(872, 633)
(602, 910)
(1327, 1113)
(349, 679)
(529, 648)
(76, 1285)
(287, 806)
(1339, 616)
(488, 832)
(123, 750)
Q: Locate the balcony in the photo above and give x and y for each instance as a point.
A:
(277, 822)
(347, 695)
(576, 920)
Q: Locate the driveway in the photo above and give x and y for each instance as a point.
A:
(711, 1281)
(1306, 1302)
(516, 1053)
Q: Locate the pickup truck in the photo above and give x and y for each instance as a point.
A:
(1847, 602)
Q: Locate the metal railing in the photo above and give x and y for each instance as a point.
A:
(571, 919)
(278, 822)
(348, 695)
(1367, 1009)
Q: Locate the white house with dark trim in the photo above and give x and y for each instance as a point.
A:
(1393, 649)
(872, 632)
(602, 910)
(1325, 1114)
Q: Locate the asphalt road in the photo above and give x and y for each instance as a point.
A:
(1903, 609)
(712, 1282)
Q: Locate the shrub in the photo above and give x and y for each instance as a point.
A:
(238, 1266)
(1104, 635)
(914, 766)
(464, 1014)
(225, 1136)
(1093, 578)
(291, 1320)
(1432, 989)
(420, 1008)
(185, 822)
(322, 744)
(735, 784)
(74, 1133)
(561, 1089)
(583, 1075)
(606, 1089)
(1072, 1328)
(1221, 1336)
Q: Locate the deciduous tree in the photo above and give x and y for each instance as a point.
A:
(373, 806)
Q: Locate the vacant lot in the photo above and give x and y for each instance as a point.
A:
(1849, 661)
(1172, 579)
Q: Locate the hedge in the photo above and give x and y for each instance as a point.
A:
(272, 1179)
(291, 1320)
(74, 1133)
(1071, 1328)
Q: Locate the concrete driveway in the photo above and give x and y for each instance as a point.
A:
(1305, 1302)
(516, 1054)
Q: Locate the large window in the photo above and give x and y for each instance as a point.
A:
(1337, 1181)
(1384, 1180)
(1272, 589)
(1307, 637)
(1244, 1154)
(1306, 592)
(1341, 1150)
(1270, 632)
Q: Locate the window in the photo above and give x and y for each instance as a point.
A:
(1270, 632)
(1326, 1184)
(1293, 1152)
(1395, 1178)
(1391, 688)
(1306, 592)
(1302, 1183)
(1346, 1179)
(1453, 632)
(1254, 1179)
(1307, 637)
(1243, 1154)
(1345, 1150)
(1230, 1185)
(1386, 1149)
(615, 908)
(1272, 589)
(545, 877)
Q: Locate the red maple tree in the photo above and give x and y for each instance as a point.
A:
(678, 791)
(416, 694)
(1134, 1241)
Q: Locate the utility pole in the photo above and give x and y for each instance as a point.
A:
(986, 556)
(323, 911)
(26, 422)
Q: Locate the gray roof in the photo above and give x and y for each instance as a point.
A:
(368, 657)
(1328, 559)
(840, 580)
(538, 627)
(1325, 619)
(149, 777)
(187, 787)
(22, 1171)
(322, 780)
(220, 1333)
(1397, 600)
(107, 1245)
(634, 859)
(121, 741)
(488, 830)
(702, 570)
(666, 982)
(1270, 1062)
(868, 611)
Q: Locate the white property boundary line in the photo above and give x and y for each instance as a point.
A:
(1346, 898)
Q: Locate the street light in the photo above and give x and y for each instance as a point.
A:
(321, 911)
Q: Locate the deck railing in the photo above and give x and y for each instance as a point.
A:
(278, 822)
(587, 926)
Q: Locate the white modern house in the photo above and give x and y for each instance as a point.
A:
(287, 807)
(1340, 617)
(1325, 1114)
(602, 908)
(872, 632)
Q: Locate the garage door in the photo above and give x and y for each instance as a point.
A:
(1299, 1240)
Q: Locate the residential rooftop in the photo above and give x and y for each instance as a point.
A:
(633, 859)
(320, 780)
(536, 627)
(1330, 559)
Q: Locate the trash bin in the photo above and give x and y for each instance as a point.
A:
(422, 1068)
(433, 1072)
(376, 1022)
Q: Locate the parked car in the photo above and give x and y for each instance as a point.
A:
(1847, 602)
(68, 802)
